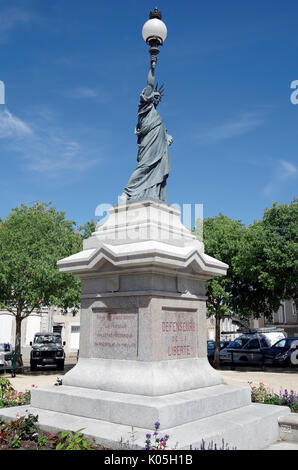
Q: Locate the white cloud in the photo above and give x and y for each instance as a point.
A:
(12, 126)
(284, 172)
(45, 147)
(245, 123)
(11, 18)
(82, 93)
(287, 169)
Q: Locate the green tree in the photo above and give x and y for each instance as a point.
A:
(262, 263)
(88, 228)
(267, 262)
(32, 240)
(223, 238)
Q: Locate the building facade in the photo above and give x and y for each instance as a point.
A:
(286, 318)
(228, 328)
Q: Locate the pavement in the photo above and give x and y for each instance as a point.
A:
(283, 445)
(275, 380)
(44, 377)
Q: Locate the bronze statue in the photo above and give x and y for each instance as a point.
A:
(148, 181)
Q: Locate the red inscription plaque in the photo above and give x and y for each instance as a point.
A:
(179, 334)
(115, 335)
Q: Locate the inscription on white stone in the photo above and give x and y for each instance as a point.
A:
(179, 335)
(115, 335)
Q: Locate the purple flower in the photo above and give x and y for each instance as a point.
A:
(157, 425)
(148, 436)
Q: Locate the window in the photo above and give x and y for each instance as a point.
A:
(264, 343)
(280, 344)
(42, 339)
(239, 343)
(281, 314)
(57, 329)
(253, 344)
(75, 337)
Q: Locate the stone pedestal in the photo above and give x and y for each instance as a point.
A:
(143, 332)
(143, 317)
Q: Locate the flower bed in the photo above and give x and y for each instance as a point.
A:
(263, 394)
(10, 397)
(23, 433)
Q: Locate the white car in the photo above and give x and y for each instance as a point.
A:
(5, 356)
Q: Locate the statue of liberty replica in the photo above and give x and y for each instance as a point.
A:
(149, 179)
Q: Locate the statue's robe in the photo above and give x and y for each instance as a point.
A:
(148, 181)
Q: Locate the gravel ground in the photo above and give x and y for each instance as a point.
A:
(276, 381)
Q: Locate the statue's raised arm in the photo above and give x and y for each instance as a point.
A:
(151, 78)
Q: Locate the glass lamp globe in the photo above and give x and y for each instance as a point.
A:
(154, 28)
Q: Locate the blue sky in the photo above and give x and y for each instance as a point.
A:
(73, 72)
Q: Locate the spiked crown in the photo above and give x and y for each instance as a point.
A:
(160, 90)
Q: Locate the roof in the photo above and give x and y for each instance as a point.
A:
(47, 334)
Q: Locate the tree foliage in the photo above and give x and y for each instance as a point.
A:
(262, 261)
(222, 238)
(267, 262)
(32, 240)
(88, 228)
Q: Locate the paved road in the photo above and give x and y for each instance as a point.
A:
(47, 377)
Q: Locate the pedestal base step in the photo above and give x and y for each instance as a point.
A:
(251, 427)
(288, 428)
(142, 411)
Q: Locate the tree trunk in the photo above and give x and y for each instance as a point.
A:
(18, 339)
(217, 341)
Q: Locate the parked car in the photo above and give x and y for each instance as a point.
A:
(280, 353)
(249, 348)
(211, 348)
(47, 348)
(272, 334)
(5, 356)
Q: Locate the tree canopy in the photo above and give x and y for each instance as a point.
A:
(222, 238)
(267, 262)
(88, 228)
(262, 261)
(32, 240)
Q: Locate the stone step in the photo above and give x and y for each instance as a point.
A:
(251, 427)
(288, 427)
(142, 411)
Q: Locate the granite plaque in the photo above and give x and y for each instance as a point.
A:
(115, 335)
(179, 335)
